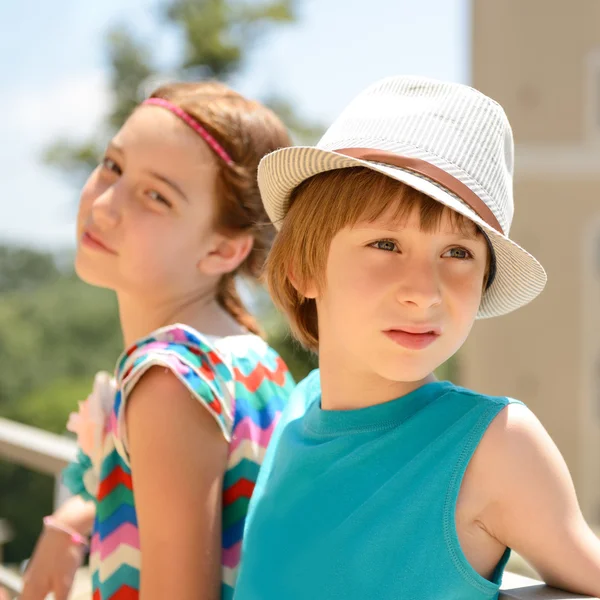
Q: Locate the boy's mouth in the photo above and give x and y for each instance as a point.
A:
(414, 337)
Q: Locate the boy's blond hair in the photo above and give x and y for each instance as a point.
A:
(320, 207)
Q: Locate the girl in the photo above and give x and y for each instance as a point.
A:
(381, 481)
(172, 446)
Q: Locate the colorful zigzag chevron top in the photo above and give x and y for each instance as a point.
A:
(243, 383)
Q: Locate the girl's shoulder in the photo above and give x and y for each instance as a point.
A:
(176, 344)
(224, 355)
(222, 373)
(192, 359)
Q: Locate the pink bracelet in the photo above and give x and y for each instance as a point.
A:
(75, 536)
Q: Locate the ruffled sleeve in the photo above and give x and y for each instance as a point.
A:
(193, 360)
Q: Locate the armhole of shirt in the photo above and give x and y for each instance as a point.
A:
(464, 567)
(218, 401)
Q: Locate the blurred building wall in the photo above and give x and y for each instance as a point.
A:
(541, 60)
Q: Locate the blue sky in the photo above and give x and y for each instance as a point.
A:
(55, 82)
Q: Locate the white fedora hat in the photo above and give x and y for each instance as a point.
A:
(446, 140)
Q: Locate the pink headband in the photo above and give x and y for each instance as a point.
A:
(189, 120)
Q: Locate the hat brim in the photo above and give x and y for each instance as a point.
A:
(519, 276)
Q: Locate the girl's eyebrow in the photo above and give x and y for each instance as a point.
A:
(112, 145)
(168, 182)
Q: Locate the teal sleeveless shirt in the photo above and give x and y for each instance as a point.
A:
(361, 503)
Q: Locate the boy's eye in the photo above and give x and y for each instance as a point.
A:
(460, 253)
(110, 165)
(387, 245)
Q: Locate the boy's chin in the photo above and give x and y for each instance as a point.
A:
(407, 373)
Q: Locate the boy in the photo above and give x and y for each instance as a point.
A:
(380, 480)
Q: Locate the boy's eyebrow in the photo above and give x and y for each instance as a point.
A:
(466, 234)
(469, 235)
(370, 225)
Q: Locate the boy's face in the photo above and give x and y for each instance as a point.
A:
(399, 301)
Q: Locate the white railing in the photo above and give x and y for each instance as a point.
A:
(37, 450)
(516, 587)
(50, 453)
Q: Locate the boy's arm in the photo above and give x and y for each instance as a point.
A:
(533, 507)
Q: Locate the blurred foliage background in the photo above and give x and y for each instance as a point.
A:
(55, 331)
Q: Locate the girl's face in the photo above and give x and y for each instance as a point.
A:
(399, 301)
(145, 221)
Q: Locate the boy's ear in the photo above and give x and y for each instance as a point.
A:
(226, 254)
(308, 289)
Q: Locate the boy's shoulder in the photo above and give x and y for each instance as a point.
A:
(308, 391)
(310, 386)
(457, 393)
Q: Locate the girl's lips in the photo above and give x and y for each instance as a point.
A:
(91, 241)
(412, 341)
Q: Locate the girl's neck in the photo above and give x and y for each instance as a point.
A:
(202, 312)
(347, 387)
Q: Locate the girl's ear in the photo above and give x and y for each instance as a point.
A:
(226, 255)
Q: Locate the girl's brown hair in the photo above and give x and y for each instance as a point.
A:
(320, 207)
(247, 131)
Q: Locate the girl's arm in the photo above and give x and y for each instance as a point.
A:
(178, 459)
(78, 514)
(534, 508)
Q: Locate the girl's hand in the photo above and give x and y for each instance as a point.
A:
(53, 566)
(56, 557)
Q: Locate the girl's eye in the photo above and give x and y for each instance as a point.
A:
(386, 245)
(154, 195)
(110, 165)
(460, 253)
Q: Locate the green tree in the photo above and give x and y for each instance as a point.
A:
(64, 328)
(23, 269)
(55, 333)
(218, 37)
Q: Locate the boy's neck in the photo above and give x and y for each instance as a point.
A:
(346, 387)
